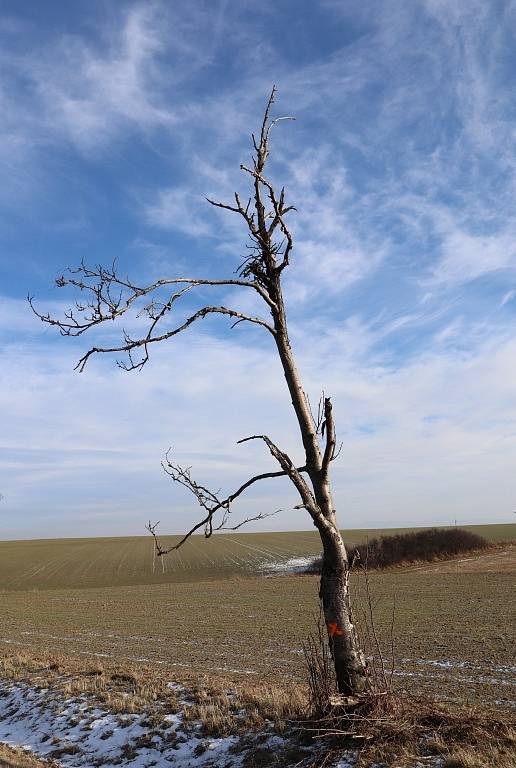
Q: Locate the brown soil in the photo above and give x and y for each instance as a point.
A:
(453, 626)
(499, 560)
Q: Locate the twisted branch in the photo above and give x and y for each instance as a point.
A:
(289, 468)
(108, 296)
(210, 502)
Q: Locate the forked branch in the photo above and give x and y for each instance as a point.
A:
(328, 427)
(294, 473)
(210, 502)
(143, 343)
(269, 255)
(108, 296)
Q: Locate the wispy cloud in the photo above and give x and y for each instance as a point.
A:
(97, 438)
(466, 257)
(401, 165)
(86, 93)
(180, 210)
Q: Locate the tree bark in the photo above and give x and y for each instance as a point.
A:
(348, 659)
(349, 662)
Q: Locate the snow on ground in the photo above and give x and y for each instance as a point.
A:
(292, 565)
(77, 733)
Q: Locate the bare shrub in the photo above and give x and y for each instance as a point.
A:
(391, 727)
(400, 730)
(426, 545)
(322, 684)
(418, 546)
(325, 702)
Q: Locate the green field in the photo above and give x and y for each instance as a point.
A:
(453, 631)
(104, 562)
(94, 600)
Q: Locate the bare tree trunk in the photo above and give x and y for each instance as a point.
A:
(350, 666)
(348, 659)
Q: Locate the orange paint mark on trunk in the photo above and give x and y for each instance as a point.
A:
(334, 630)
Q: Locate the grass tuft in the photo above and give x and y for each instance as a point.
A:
(11, 757)
(400, 730)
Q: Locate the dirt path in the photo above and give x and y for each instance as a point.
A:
(500, 560)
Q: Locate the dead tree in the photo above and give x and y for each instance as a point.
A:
(107, 296)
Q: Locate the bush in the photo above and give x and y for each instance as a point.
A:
(425, 545)
(430, 544)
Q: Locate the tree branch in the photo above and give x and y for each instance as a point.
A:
(287, 465)
(101, 304)
(210, 502)
(328, 425)
(132, 344)
(277, 217)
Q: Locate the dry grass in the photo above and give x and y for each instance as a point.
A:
(399, 731)
(122, 688)
(17, 758)
(118, 687)
(418, 725)
(489, 757)
(393, 729)
(247, 706)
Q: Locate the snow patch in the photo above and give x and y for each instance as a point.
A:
(77, 733)
(292, 565)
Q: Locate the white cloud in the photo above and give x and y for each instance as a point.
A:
(401, 165)
(449, 332)
(16, 318)
(180, 210)
(332, 242)
(427, 441)
(89, 91)
(466, 257)
(86, 94)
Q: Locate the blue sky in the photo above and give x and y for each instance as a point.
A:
(116, 119)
